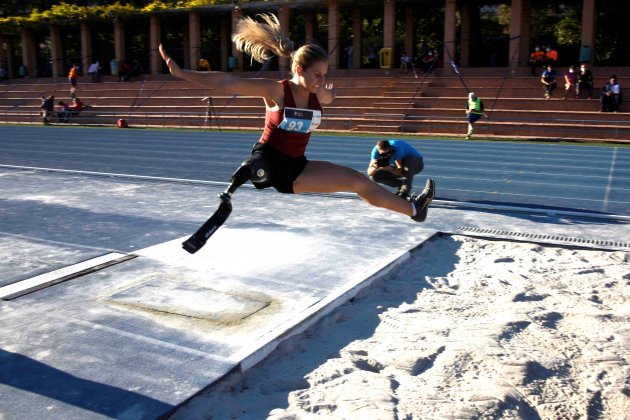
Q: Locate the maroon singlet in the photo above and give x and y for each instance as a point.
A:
(288, 142)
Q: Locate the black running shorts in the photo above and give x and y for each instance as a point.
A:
(284, 169)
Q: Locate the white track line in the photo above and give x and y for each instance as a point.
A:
(447, 203)
(610, 180)
(114, 175)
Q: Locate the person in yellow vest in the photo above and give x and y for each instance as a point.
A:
(474, 111)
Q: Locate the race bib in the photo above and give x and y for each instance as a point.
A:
(301, 120)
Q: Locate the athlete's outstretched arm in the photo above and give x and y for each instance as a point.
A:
(225, 83)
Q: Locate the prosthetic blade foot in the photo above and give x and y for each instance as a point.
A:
(199, 238)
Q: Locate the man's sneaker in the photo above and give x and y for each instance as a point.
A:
(421, 202)
(403, 192)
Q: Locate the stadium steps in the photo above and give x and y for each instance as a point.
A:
(367, 101)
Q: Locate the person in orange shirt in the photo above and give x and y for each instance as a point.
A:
(536, 60)
(551, 57)
(72, 78)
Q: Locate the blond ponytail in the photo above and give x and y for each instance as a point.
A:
(262, 40)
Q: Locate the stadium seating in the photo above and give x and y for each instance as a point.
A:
(373, 101)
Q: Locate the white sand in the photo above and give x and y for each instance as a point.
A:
(466, 328)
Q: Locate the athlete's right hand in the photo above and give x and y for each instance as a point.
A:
(173, 67)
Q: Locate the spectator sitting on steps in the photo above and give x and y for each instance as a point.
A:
(585, 82)
(611, 96)
(548, 80)
(62, 112)
(570, 82)
(66, 111)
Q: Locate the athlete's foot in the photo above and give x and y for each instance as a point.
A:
(421, 202)
(199, 238)
(193, 244)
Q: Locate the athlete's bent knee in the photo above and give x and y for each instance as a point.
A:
(260, 169)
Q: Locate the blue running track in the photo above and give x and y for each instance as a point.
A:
(574, 177)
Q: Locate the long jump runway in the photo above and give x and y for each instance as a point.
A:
(103, 315)
(588, 178)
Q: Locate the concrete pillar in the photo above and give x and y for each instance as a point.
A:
(29, 58)
(119, 41)
(449, 31)
(464, 58)
(3, 54)
(333, 34)
(7, 47)
(194, 37)
(224, 33)
(588, 27)
(237, 14)
(309, 27)
(86, 47)
(56, 52)
(283, 17)
(186, 48)
(519, 33)
(357, 32)
(389, 25)
(409, 30)
(155, 29)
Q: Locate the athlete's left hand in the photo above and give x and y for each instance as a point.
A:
(327, 94)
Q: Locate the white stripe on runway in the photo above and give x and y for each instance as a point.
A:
(33, 284)
(114, 175)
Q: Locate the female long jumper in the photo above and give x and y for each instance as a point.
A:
(293, 111)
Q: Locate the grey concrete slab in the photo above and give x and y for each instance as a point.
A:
(135, 339)
(104, 344)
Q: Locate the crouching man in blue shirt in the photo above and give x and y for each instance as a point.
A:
(394, 163)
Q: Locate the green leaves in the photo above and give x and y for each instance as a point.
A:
(27, 14)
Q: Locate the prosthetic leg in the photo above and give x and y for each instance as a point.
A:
(255, 169)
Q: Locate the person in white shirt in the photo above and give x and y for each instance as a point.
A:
(95, 71)
(611, 96)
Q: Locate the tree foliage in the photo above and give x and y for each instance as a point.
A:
(568, 30)
(15, 14)
(552, 23)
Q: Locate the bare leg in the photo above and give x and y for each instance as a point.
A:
(327, 177)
